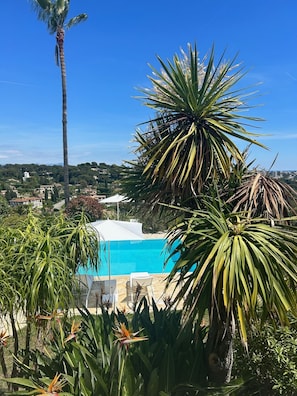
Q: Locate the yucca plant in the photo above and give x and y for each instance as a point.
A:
(190, 140)
(233, 268)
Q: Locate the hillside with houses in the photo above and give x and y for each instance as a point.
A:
(38, 185)
(42, 185)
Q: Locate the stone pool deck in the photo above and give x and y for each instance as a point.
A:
(123, 303)
(123, 298)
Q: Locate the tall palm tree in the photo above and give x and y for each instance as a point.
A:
(190, 141)
(54, 13)
(232, 269)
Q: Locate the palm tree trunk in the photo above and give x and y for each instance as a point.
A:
(3, 363)
(14, 372)
(60, 43)
(27, 342)
(219, 349)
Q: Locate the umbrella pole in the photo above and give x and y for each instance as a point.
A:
(109, 265)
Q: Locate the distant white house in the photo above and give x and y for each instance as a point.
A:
(48, 187)
(35, 202)
(26, 176)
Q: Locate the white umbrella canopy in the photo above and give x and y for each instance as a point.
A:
(115, 230)
(117, 198)
(114, 199)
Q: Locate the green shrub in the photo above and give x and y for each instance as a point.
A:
(169, 360)
(270, 368)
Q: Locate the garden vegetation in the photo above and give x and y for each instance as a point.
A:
(232, 229)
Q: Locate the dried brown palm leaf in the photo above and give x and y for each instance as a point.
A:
(264, 196)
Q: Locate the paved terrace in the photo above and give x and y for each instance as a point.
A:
(123, 303)
(123, 298)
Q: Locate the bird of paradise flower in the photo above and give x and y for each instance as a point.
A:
(54, 315)
(75, 328)
(125, 337)
(3, 338)
(54, 388)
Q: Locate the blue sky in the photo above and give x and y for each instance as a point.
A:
(107, 58)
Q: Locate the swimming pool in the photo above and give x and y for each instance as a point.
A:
(148, 255)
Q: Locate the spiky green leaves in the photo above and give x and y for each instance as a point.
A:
(236, 267)
(39, 259)
(199, 113)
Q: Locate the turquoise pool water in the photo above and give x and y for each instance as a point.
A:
(147, 255)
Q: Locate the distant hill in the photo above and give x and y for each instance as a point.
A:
(86, 178)
(102, 177)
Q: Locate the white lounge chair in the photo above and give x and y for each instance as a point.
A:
(109, 293)
(85, 283)
(140, 285)
(135, 275)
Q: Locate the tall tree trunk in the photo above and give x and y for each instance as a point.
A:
(219, 348)
(27, 341)
(2, 361)
(60, 43)
(15, 371)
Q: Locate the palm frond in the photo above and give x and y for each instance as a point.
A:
(76, 20)
(54, 13)
(261, 195)
(235, 266)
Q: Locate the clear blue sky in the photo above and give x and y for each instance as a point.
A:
(107, 58)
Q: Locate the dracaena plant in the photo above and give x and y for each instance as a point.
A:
(260, 195)
(189, 142)
(39, 258)
(232, 269)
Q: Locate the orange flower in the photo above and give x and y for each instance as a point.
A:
(55, 315)
(3, 338)
(125, 337)
(75, 327)
(123, 309)
(54, 387)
